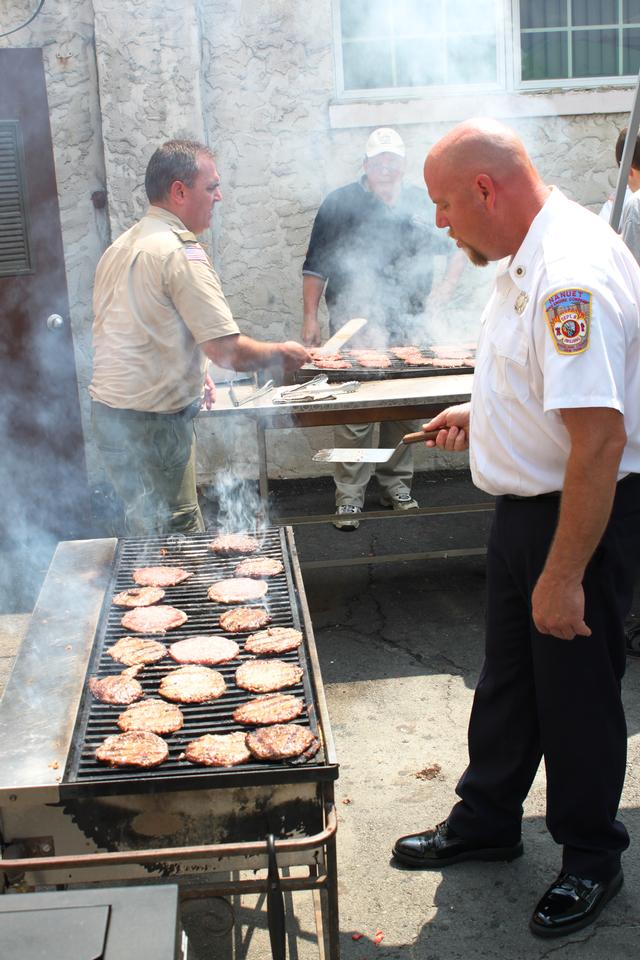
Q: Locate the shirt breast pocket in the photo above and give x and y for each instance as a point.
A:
(509, 374)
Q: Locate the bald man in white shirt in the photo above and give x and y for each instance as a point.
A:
(553, 430)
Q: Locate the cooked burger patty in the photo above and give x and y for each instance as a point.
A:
(281, 741)
(116, 689)
(153, 619)
(272, 708)
(192, 684)
(218, 750)
(237, 590)
(153, 715)
(273, 640)
(136, 650)
(258, 567)
(138, 597)
(262, 676)
(244, 618)
(230, 544)
(160, 576)
(136, 749)
(207, 650)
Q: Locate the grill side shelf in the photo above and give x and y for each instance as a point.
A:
(39, 708)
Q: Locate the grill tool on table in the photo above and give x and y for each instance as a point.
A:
(235, 400)
(308, 393)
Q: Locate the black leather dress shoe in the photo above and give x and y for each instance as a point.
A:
(441, 846)
(572, 903)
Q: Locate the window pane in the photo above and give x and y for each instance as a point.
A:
(477, 16)
(419, 63)
(595, 53)
(631, 12)
(544, 56)
(592, 12)
(543, 13)
(367, 65)
(471, 60)
(370, 19)
(631, 51)
(412, 17)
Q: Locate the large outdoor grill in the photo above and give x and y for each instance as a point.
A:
(68, 819)
(433, 363)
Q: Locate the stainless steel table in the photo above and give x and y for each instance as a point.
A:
(410, 398)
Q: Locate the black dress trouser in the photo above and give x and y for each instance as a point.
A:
(539, 696)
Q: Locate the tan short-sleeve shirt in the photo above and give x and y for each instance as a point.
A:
(156, 298)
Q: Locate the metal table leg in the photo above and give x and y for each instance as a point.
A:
(262, 464)
(275, 905)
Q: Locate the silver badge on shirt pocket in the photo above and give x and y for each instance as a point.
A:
(521, 302)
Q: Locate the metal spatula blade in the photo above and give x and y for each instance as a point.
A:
(346, 331)
(371, 454)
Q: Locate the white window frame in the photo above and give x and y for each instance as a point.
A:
(508, 97)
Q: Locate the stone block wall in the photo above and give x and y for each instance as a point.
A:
(255, 79)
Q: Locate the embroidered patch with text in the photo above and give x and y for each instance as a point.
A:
(196, 253)
(568, 314)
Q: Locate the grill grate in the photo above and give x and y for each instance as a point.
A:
(97, 720)
(432, 367)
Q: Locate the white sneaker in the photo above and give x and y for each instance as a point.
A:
(346, 512)
(399, 501)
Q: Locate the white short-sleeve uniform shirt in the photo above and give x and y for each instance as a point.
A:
(561, 330)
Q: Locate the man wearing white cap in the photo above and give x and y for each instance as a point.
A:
(371, 252)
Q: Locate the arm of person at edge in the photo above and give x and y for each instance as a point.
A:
(238, 352)
(312, 287)
(597, 437)
(630, 227)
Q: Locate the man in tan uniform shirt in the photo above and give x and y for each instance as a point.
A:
(160, 315)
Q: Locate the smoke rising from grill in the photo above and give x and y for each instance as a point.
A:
(240, 509)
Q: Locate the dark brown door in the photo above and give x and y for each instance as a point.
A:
(43, 485)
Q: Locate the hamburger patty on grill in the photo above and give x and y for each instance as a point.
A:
(153, 619)
(237, 590)
(272, 708)
(138, 597)
(262, 676)
(160, 576)
(281, 741)
(230, 544)
(273, 640)
(258, 567)
(240, 619)
(136, 650)
(192, 684)
(135, 749)
(118, 689)
(218, 750)
(153, 715)
(207, 650)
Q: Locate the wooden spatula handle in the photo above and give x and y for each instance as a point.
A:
(420, 435)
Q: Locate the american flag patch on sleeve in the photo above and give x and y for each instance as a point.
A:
(196, 253)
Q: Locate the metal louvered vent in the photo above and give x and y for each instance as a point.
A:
(15, 255)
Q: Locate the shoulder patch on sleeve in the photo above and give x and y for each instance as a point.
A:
(196, 253)
(568, 315)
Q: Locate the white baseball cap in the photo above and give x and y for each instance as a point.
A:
(384, 140)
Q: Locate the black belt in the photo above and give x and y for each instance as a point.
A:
(552, 495)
